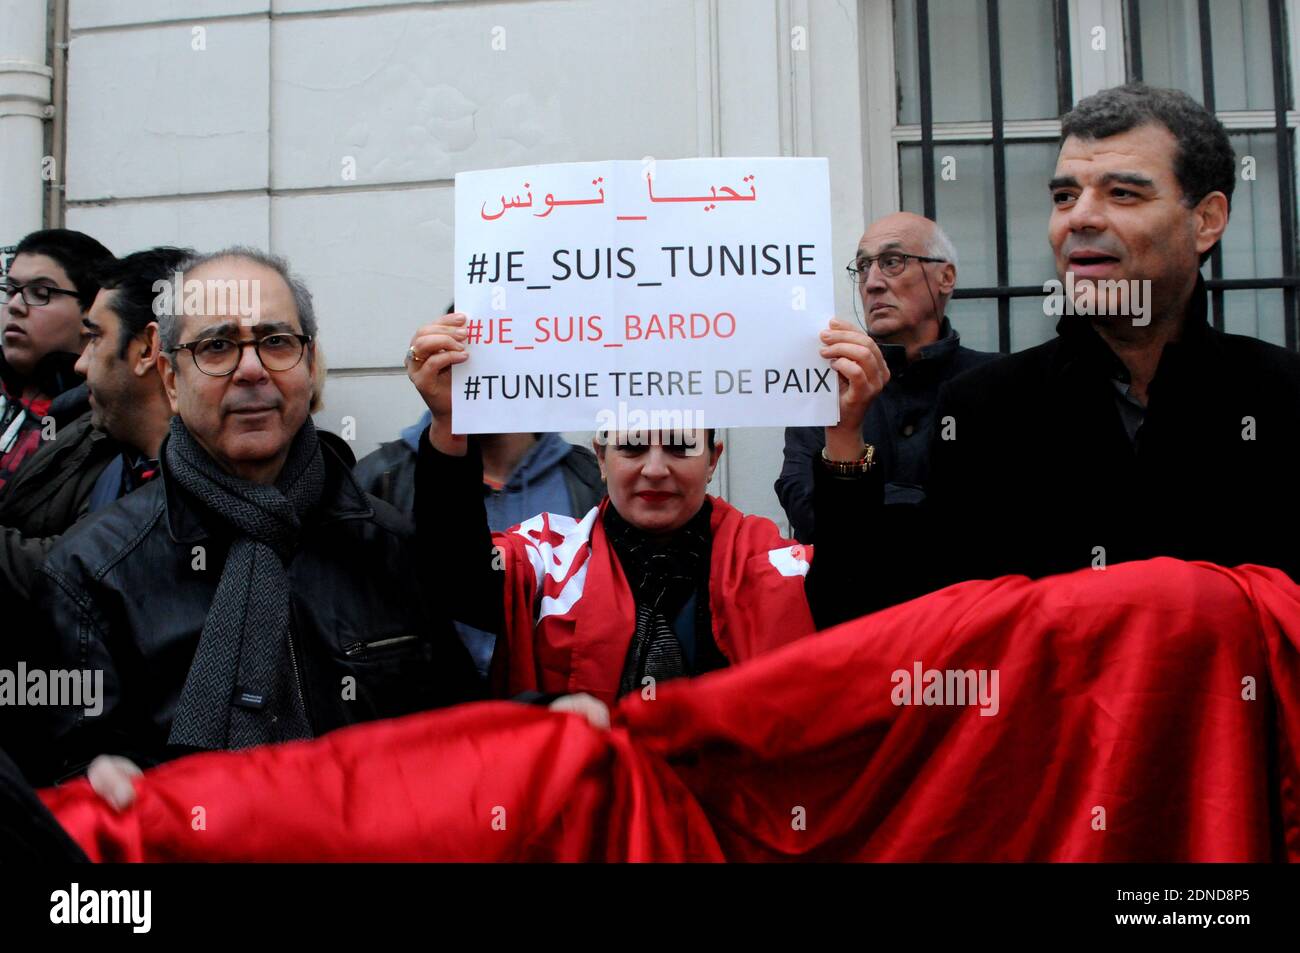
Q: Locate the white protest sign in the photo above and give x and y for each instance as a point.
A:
(625, 294)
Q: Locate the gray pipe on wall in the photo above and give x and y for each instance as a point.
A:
(25, 87)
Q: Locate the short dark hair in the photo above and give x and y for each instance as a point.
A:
(1205, 161)
(76, 252)
(133, 279)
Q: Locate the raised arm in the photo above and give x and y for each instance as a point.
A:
(450, 518)
(846, 488)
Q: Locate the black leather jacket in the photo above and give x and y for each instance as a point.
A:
(49, 494)
(127, 592)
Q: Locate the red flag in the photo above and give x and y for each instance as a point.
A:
(570, 613)
(1150, 711)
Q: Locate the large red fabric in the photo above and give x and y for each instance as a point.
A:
(570, 612)
(1150, 711)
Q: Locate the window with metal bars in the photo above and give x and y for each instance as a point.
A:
(980, 87)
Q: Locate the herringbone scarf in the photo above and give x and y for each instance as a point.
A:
(663, 574)
(243, 688)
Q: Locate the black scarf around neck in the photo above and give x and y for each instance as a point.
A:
(664, 573)
(243, 687)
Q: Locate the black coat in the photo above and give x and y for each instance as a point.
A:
(899, 424)
(29, 833)
(127, 593)
(1041, 477)
(49, 494)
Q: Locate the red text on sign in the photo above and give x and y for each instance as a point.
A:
(678, 327)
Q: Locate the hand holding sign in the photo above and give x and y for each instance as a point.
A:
(863, 374)
(434, 349)
(611, 294)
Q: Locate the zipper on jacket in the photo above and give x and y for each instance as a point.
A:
(297, 682)
(354, 649)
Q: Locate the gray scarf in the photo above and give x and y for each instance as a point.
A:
(243, 689)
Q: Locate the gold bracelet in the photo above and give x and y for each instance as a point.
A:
(854, 468)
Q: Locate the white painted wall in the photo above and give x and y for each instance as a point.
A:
(244, 140)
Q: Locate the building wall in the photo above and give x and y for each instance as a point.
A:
(211, 122)
(208, 122)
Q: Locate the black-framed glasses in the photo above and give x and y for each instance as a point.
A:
(34, 295)
(218, 357)
(892, 264)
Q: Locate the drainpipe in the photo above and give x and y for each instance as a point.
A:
(58, 192)
(25, 104)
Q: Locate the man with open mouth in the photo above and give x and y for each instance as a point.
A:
(1141, 429)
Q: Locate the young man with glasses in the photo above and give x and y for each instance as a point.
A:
(106, 452)
(47, 291)
(253, 593)
(904, 273)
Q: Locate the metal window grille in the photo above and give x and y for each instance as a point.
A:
(1003, 291)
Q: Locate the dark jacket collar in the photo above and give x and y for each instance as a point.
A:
(932, 356)
(1082, 348)
(71, 404)
(343, 498)
(53, 375)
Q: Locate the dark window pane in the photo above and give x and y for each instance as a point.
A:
(1171, 45)
(1243, 61)
(959, 61)
(963, 204)
(1030, 323)
(909, 179)
(1256, 313)
(1240, 44)
(1029, 205)
(1028, 33)
(1252, 245)
(976, 320)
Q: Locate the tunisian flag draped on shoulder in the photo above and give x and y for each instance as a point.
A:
(570, 612)
(1150, 711)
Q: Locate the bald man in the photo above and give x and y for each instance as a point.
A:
(906, 269)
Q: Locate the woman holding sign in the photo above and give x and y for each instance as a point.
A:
(659, 581)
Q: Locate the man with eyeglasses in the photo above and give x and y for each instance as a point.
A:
(47, 291)
(108, 451)
(253, 593)
(904, 274)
